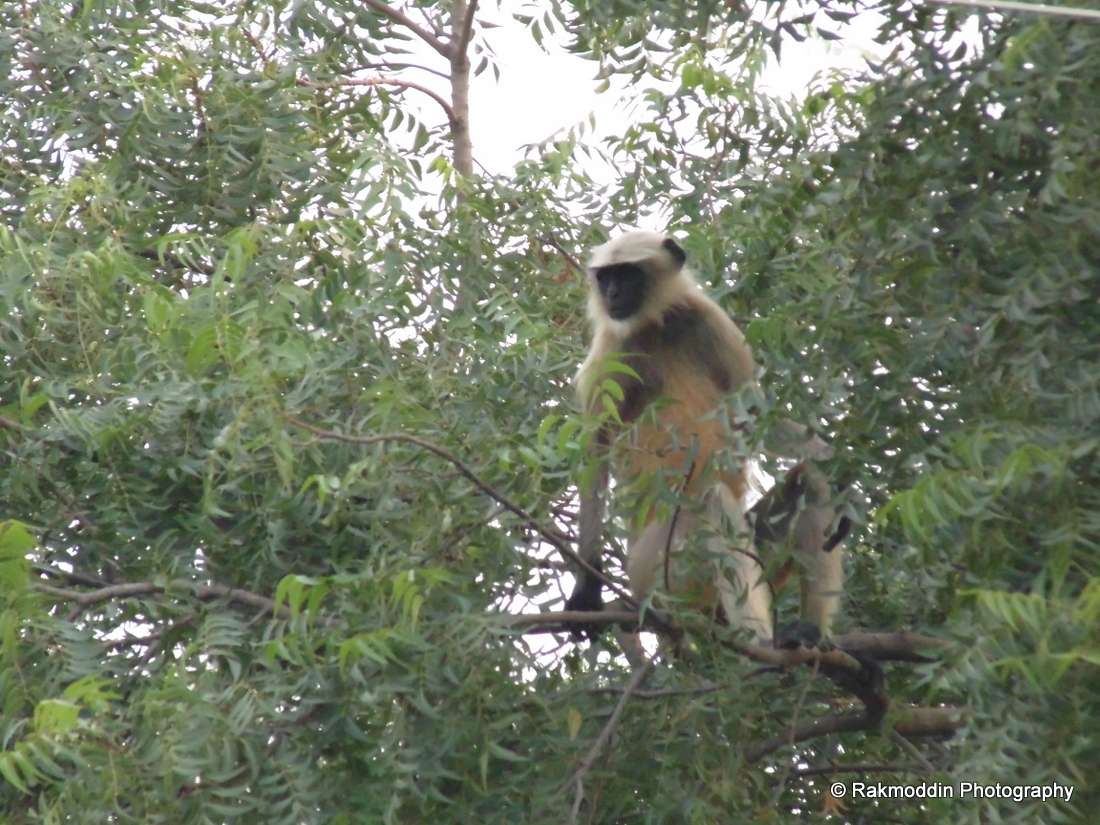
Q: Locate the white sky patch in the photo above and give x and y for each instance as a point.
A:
(539, 94)
(543, 92)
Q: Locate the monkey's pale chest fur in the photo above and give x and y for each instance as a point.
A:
(684, 361)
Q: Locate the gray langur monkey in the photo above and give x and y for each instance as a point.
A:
(685, 355)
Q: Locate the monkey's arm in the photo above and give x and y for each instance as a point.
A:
(729, 349)
(587, 592)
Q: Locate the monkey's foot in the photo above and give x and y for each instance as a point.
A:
(798, 634)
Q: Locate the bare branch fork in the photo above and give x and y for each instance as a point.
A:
(399, 17)
(454, 49)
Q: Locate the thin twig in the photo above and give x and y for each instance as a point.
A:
(1028, 8)
(563, 621)
(394, 66)
(452, 118)
(664, 693)
(550, 239)
(594, 752)
(911, 749)
(552, 537)
(71, 575)
(858, 767)
(781, 782)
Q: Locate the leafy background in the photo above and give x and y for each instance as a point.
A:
(211, 228)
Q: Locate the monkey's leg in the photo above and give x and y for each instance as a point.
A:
(647, 553)
(746, 599)
(820, 553)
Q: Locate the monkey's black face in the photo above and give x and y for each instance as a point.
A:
(623, 288)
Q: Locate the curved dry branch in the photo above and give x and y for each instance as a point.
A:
(452, 118)
(907, 722)
(552, 536)
(203, 592)
(403, 19)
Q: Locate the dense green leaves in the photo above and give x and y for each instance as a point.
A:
(286, 430)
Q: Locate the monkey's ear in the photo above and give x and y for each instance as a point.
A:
(673, 249)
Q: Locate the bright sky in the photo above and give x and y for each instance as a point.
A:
(543, 92)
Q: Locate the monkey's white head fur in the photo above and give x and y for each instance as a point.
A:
(635, 246)
(670, 281)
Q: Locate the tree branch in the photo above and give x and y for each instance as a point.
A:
(70, 575)
(577, 265)
(462, 15)
(553, 537)
(452, 119)
(402, 19)
(910, 748)
(907, 722)
(594, 752)
(564, 621)
(466, 34)
(899, 646)
(781, 780)
(1027, 8)
(202, 592)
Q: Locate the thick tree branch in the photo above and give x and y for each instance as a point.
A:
(462, 42)
(907, 722)
(899, 646)
(462, 15)
(403, 19)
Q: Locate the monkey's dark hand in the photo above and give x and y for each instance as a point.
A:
(799, 634)
(587, 597)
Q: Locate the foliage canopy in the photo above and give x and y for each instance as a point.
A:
(211, 230)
